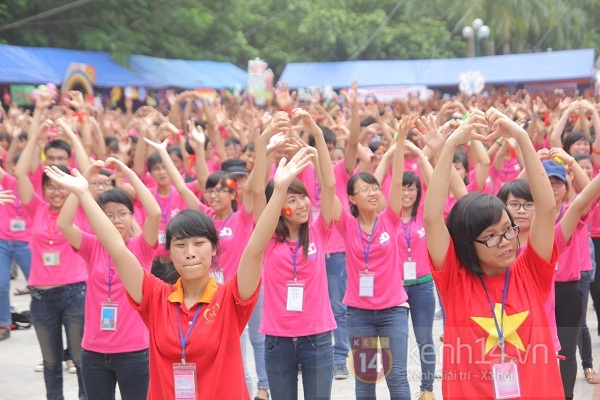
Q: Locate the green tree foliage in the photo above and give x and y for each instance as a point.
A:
(281, 31)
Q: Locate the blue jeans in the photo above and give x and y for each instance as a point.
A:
(258, 342)
(314, 353)
(390, 326)
(101, 372)
(21, 253)
(337, 277)
(584, 342)
(422, 310)
(51, 310)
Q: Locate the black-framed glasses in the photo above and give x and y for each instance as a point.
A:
(495, 240)
(516, 206)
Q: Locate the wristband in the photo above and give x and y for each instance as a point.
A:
(498, 143)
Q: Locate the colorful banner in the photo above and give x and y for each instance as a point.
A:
(260, 81)
(80, 77)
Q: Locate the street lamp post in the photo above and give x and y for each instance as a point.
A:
(474, 34)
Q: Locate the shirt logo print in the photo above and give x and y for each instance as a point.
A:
(421, 233)
(384, 238)
(312, 249)
(211, 314)
(226, 232)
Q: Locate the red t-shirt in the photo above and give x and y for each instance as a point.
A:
(470, 333)
(214, 343)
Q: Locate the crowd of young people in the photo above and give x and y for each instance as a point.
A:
(157, 237)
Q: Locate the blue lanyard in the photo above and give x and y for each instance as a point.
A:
(165, 214)
(500, 326)
(562, 207)
(224, 222)
(407, 235)
(294, 255)
(367, 250)
(111, 274)
(181, 337)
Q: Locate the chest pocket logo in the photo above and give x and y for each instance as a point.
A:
(226, 232)
(421, 233)
(384, 239)
(211, 314)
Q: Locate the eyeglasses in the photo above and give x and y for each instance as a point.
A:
(157, 167)
(52, 188)
(98, 185)
(557, 184)
(367, 190)
(215, 190)
(495, 240)
(121, 215)
(410, 189)
(516, 206)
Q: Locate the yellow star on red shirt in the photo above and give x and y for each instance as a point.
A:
(511, 324)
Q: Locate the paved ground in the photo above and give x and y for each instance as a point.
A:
(20, 354)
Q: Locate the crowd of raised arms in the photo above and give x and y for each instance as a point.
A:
(162, 238)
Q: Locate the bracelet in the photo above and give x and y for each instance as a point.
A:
(498, 143)
(422, 160)
(595, 150)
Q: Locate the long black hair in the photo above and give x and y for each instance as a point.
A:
(282, 231)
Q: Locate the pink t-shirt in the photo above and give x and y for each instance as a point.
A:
(336, 241)
(509, 172)
(13, 213)
(451, 200)
(67, 266)
(131, 333)
(278, 270)
(488, 188)
(309, 178)
(234, 233)
(384, 262)
(214, 164)
(595, 220)
(413, 232)
(170, 206)
(569, 260)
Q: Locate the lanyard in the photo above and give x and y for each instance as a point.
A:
(499, 327)
(51, 225)
(407, 235)
(111, 274)
(562, 206)
(165, 214)
(224, 222)
(181, 337)
(294, 256)
(367, 250)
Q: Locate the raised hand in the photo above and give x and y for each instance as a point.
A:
(467, 130)
(94, 169)
(308, 123)
(160, 147)
(283, 96)
(75, 183)
(563, 156)
(287, 171)
(430, 133)
(6, 197)
(196, 135)
(280, 123)
(502, 126)
(76, 99)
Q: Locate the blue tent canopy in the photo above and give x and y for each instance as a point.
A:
(40, 65)
(190, 74)
(504, 69)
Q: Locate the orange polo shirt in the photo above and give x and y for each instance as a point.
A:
(213, 345)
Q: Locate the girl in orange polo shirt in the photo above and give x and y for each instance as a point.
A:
(195, 324)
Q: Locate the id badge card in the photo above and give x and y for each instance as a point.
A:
(185, 381)
(295, 296)
(162, 237)
(366, 284)
(108, 315)
(410, 270)
(51, 259)
(17, 225)
(506, 380)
